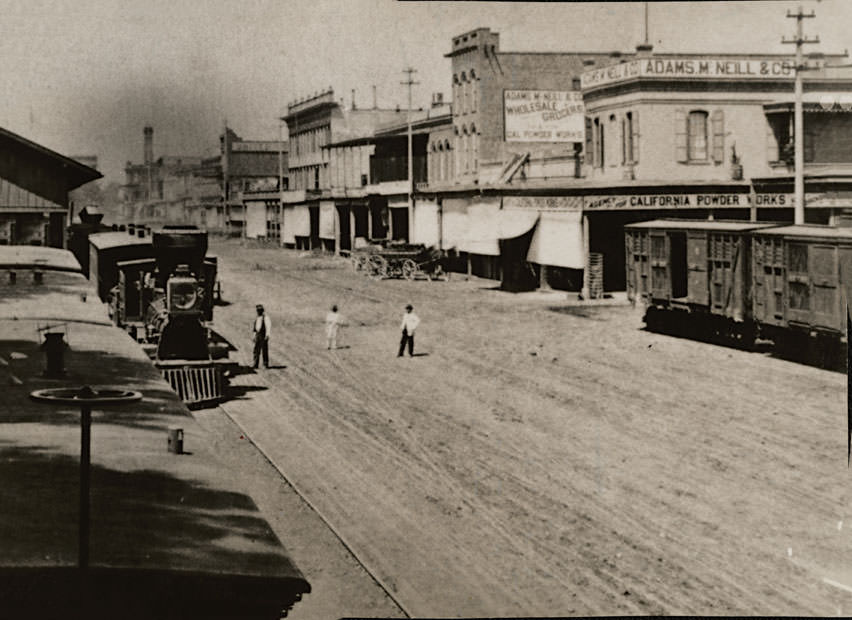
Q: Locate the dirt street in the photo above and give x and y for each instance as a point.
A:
(540, 459)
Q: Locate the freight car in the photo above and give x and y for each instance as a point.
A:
(160, 289)
(736, 281)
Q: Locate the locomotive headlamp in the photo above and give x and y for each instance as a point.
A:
(182, 294)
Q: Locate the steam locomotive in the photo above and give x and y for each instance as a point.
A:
(160, 288)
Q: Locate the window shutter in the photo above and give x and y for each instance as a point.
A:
(624, 156)
(635, 156)
(772, 151)
(680, 136)
(589, 149)
(718, 121)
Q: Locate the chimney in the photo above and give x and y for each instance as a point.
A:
(149, 145)
(353, 99)
(437, 100)
(375, 100)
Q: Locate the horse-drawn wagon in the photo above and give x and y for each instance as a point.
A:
(399, 260)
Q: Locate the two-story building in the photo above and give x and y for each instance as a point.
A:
(309, 216)
(708, 135)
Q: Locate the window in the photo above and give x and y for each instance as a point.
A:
(473, 148)
(599, 142)
(697, 136)
(627, 139)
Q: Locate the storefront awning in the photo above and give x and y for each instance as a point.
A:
(326, 220)
(558, 241)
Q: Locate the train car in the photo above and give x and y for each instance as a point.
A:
(694, 276)
(167, 531)
(160, 288)
(107, 249)
(88, 222)
(800, 273)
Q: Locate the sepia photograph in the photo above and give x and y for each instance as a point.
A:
(425, 309)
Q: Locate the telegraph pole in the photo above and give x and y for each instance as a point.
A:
(410, 82)
(798, 119)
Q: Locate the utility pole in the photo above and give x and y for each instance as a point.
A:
(798, 119)
(410, 82)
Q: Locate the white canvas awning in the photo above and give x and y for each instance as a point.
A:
(287, 224)
(454, 223)
(255, 220)
(426, 223)
(327, 224)
(558, 240)
(483, 228)
(301, 221)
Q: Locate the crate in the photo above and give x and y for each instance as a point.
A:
(595, 275)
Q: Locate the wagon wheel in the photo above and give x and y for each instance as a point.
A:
(409, 269)
(379, 266)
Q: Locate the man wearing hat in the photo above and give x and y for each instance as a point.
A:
(410, 321)
(261, 330)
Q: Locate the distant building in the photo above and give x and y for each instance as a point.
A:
(34, 191)
(251, 170)
(309, 218)
(205, 191)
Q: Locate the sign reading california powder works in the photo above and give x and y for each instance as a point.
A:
(544, 116)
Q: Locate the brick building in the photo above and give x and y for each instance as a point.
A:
(34, 191)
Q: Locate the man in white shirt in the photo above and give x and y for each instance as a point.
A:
(333, 320)
(261, 330)
(410, 321)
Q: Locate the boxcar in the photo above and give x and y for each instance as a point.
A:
(107, 249)
(799, 273)
(693, 275)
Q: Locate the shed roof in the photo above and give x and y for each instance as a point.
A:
(114, 239)
(810, 230)
(29, 256)
(718, 225)
(76, 174)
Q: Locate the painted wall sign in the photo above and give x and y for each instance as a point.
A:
(666, 201)
(691, 67)
(544, 203)
(544, 116)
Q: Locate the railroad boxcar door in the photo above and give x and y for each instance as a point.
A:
(630, 265)
(824, 293)
(798, 283)
(636, 257)
(696, 257)
(660, 252)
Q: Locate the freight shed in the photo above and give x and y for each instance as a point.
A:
(171, 535)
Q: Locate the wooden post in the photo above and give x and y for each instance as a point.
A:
(586, 251)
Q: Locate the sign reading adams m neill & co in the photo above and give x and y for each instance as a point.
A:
(722, 68)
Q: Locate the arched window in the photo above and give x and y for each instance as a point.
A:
(697, 135)
(474, 148)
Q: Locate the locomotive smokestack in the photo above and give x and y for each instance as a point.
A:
(149, 145)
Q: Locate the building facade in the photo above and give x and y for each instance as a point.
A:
(316, 210)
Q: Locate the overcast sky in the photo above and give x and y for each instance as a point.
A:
(84, 77)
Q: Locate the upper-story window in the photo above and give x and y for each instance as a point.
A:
(697, 136)
(700, 136)
(598, 143)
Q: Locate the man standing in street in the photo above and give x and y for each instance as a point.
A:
(410, 321)
(332, 324)
(261, 330)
